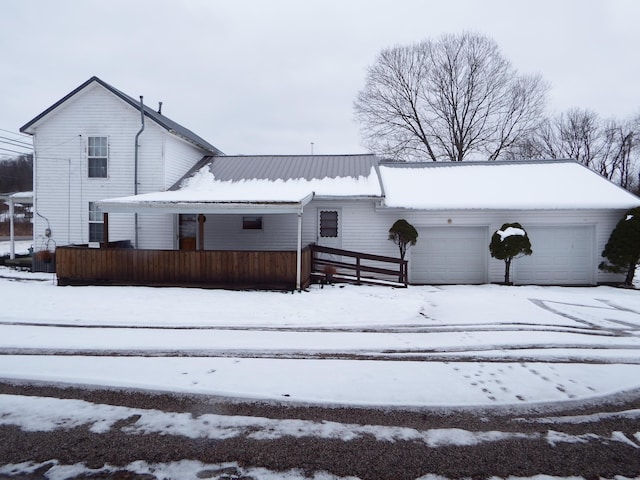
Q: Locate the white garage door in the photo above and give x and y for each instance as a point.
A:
(561, 256)
(450, 255)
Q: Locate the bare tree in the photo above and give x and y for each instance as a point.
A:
(579, 136)
(447, 100)
(617, 160)
(610, 148)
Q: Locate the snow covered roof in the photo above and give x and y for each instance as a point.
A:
(286, 183)
(536, 185)
(261, 184)
(24, 197)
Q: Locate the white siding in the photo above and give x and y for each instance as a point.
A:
(603, 223)
(61, 184)
(180, 157)
(156, 232)
(365, 228)
(224, 232)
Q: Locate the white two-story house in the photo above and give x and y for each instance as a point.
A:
(97, 143)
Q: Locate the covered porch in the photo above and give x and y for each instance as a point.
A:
(116, 263)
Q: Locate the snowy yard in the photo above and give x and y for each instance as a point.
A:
(424, 346)
(421, 346)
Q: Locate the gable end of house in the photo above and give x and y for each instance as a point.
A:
(169, 125)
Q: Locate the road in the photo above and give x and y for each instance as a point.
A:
(591, 439)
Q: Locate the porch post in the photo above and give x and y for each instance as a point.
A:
(299, 252)
(12, 247)
(105, 229)
(201, 220)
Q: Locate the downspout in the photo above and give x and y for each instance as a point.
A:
(299, 252)
(135, 167)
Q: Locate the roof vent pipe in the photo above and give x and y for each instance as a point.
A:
(135, 165)
(160, 108)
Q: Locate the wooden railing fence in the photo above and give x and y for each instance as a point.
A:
(357, 267)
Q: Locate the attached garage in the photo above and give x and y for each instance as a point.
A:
(562, 255)
(449, 255)
(568, 211)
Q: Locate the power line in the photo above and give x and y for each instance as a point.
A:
(14, 144)
(16, 141)
(29, 148)
(14, 151)
(15, 133)
(11, 147)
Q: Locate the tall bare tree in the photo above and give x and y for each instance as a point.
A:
(611, 148)
(620, 153)
(579, 136)
(449, 99)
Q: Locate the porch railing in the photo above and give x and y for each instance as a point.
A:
(207, 268)
(357, 267)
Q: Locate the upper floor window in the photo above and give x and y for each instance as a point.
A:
(97, 157)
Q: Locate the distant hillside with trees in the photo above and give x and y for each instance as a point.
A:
(16, 174)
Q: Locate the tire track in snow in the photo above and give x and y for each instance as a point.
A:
(387, 355)
(449, 328)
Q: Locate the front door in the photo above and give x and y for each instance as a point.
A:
(187, 230)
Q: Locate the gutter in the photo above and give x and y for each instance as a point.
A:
(135, 167)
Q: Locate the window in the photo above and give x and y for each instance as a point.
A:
(96, 223)
(252, 223)
(328, 223)
(97, 157)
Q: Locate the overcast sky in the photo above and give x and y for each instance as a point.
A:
(273, 76)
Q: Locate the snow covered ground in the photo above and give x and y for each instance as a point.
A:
(21, 247)
(466, 346)
(421, 346)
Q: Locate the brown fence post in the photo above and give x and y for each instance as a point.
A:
(105, 229)
(405, 272)
(201, 220)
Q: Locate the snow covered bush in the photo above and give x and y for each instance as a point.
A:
(623, 248)
(510, 242)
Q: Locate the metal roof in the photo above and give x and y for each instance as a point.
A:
(288, 167)
(160, 119)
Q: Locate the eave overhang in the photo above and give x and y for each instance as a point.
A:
(204, 207)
